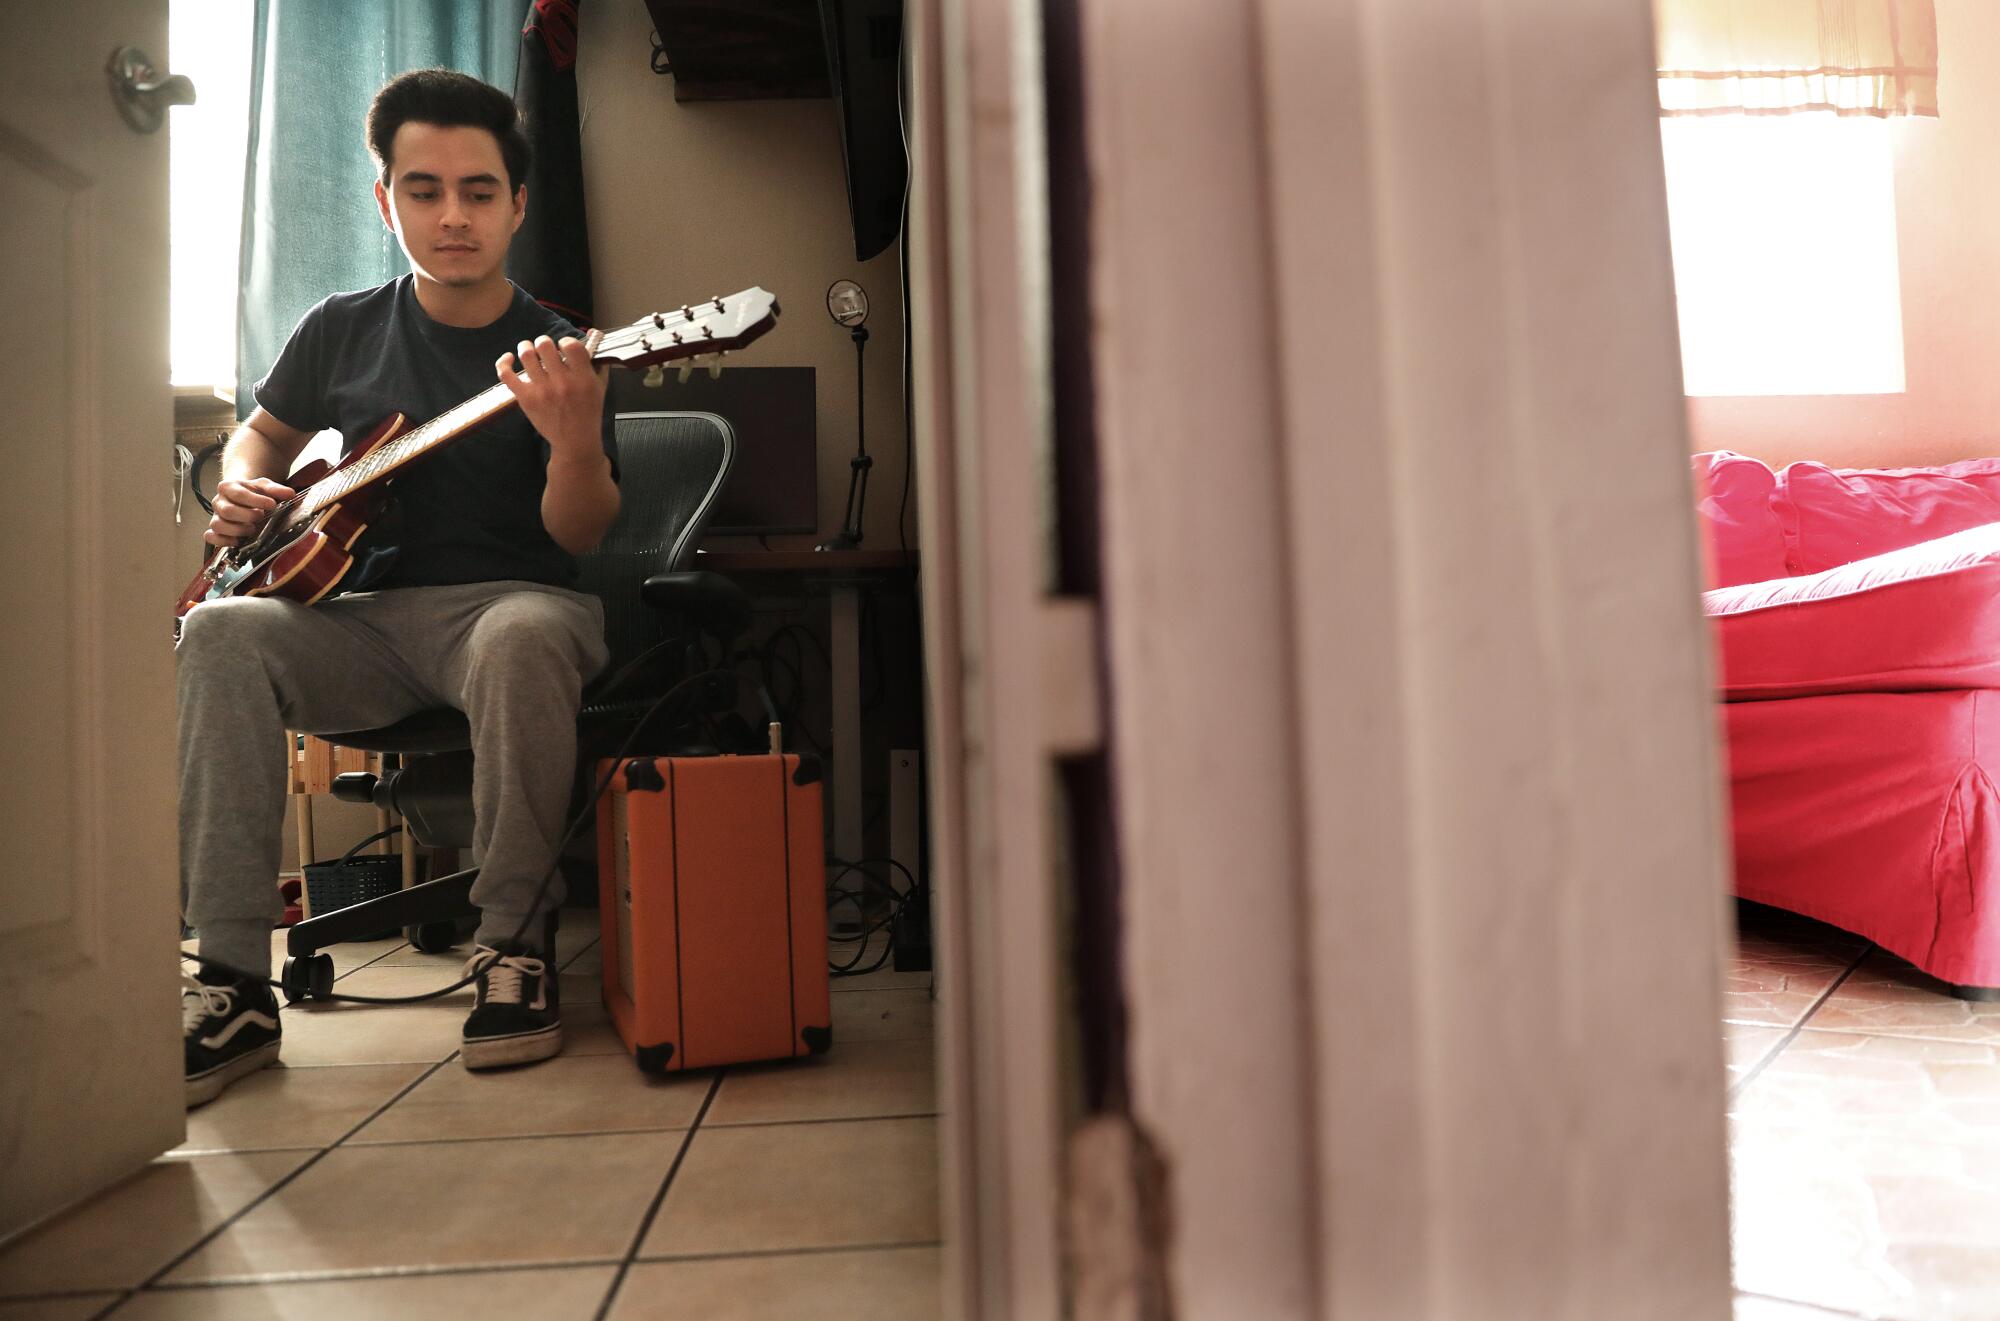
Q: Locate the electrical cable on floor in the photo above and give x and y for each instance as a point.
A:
(897, 901)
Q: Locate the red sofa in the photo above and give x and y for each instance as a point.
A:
(1857, 619)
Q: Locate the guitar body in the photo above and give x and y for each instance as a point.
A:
(307, 562)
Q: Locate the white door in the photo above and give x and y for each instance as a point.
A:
(89, 1076)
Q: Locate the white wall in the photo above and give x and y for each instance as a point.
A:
(689, 201)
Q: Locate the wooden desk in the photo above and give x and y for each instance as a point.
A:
(842, 573)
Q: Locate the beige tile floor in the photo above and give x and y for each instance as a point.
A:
(372, 1176)
(1864, 1120)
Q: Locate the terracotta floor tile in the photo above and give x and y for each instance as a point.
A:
(293, 1107)
(1880, 1086)
(346, 958)
(1880, 1227)
(886, 978)
(1775, 982)
(451, 961)
(580, 931)
(323, 1032)
(587, 962)
(79, 1308)
(575, 1094)
(1750, 1307)
(1887, 996)
(888, 1015)
(891, 1284)
(583, 999)
(118, 1239)
(594, 1038)
(791, 1186)
(553, 1293)
(1745, 1045)
(858, 1080)
(542, 1201)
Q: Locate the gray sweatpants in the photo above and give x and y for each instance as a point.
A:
(513, 656)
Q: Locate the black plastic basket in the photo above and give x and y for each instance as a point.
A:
(351, 880)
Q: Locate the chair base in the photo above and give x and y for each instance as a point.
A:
(448, 899)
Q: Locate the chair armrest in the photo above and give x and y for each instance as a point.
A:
(711, 601)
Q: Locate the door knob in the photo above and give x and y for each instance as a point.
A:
(140, 93)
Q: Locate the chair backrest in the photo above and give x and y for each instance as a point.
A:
(670, 467)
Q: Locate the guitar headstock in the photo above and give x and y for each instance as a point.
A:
(699, 330)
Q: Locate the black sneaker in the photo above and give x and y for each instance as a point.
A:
(515, 1017)
(229, 1030)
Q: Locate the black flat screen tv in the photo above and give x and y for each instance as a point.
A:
(864, 58)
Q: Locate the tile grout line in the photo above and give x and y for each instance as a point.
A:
(823, 1250)
(394, 1273)
(373, 1144)
(1839, 1312)
(493, 1268)
(372, 962)
(660, 1197)
(1791, 1034)
(603, 1132)
(275, 1188)
(594, 943)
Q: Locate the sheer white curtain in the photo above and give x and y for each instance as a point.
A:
(1776, 57)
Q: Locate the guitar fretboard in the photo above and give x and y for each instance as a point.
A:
(393, 454)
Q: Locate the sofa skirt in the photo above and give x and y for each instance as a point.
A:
(1876, 812)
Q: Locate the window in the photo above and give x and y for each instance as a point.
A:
(207, 144)
(1784, 244)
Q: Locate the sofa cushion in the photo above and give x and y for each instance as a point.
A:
(1734, 496)
(1923, 617)
(1833, 516)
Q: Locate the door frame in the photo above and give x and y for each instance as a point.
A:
(1419, 799)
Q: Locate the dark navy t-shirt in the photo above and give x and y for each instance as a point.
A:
(470, 511)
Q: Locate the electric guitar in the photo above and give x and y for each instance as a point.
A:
(301, 551)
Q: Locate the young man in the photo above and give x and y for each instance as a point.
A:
(459, 597)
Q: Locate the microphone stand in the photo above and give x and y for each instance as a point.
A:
(849, 535)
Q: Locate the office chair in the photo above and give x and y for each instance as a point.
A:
(671, 466)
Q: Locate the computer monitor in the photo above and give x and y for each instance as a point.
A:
(774, 486)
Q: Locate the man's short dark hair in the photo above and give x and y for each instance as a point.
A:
(449, 99)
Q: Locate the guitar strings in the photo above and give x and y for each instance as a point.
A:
(302, 506)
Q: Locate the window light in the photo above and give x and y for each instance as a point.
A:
(1784, 245)
(209, 41)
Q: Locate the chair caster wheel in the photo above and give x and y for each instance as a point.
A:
(432, 937)
(307, 978)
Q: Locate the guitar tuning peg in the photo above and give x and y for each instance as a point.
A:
(687, 370)
(715, 369)
(655, 377)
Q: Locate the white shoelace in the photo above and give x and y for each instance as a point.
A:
(199, 1001)
(503, 976)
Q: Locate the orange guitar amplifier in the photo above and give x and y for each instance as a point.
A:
(712, 892)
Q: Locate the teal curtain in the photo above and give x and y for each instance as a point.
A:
(309, 222)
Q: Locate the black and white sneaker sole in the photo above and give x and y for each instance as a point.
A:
(205, 1087)
(520, 1048)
